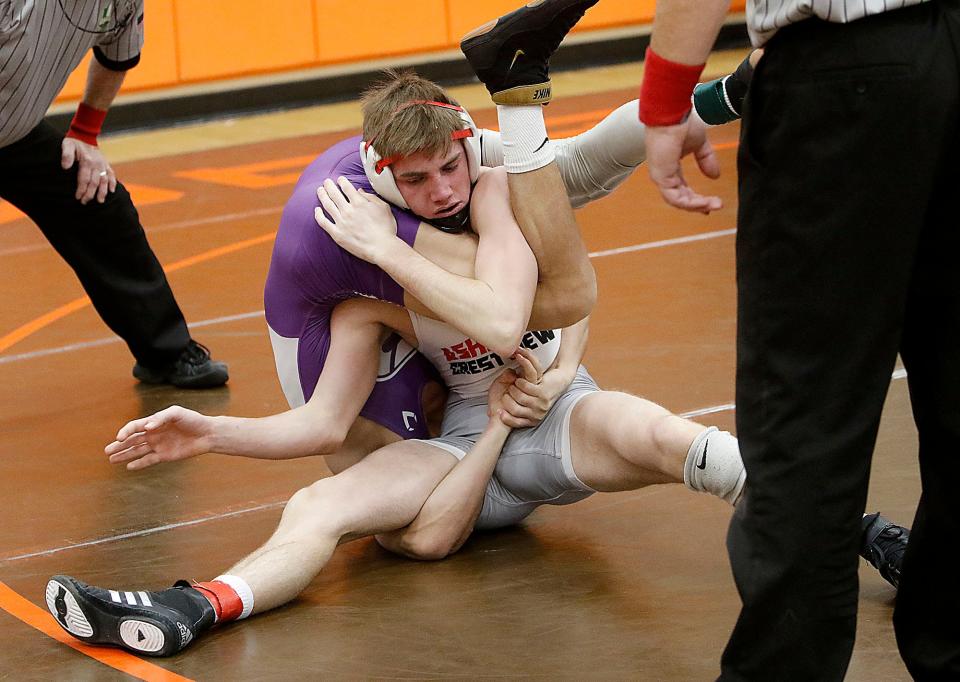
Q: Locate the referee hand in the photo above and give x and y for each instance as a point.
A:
(666, 145)
(95, 177)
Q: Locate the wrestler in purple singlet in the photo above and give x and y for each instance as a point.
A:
(310, 274)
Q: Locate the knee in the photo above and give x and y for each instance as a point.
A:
(425, 548)
(662, 427)
(585, 296)
(312, 508)
(575, 296)
(414, 545)
(119, 205)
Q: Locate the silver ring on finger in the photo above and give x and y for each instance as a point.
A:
(103, 174)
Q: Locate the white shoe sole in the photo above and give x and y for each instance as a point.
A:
(141, 636)
(71, 617)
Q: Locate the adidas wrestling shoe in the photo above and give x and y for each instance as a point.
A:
(511, 55)
(884, 544)
(152, 623)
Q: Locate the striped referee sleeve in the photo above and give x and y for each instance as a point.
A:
(120, 50)
(765, 17)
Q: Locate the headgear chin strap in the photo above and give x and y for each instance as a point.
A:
(378, 169)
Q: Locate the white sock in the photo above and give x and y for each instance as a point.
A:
(714, 465)
(526, 146)
(243, 591)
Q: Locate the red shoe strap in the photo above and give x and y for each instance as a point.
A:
(224, 599)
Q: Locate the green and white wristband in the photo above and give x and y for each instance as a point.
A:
(712, 103)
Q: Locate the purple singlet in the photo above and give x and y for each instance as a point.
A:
(310, 274)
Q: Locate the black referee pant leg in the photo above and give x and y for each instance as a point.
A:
(103, 243)
(928, 601)
(841, 139)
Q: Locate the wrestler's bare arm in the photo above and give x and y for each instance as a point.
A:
(316, 428)
(493, 307)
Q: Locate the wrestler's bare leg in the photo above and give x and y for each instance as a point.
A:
(622, 442)
(382, 492)
(539, 203)
(595, 162)
(510, 56)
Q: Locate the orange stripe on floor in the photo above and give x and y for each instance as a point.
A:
(252, 175)
(9, 213)
(31, 614)
(49, 318)
(144, 195)
(579, 117)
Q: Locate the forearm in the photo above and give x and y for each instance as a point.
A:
(450, 512)
(296, 433)
(684, 31)
(103, 85)
(472, 305)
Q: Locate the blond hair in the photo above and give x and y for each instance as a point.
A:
(398, 122)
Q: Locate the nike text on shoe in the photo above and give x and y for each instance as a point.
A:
(152, 623)
(511, 55)
(883, 544)
(193, 368)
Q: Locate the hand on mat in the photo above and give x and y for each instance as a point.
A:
(95, 177)
(169, 435)
(359, 222)
(531, 395)
(666, 145)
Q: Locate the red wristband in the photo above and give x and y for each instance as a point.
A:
(86, 124)
(665, 93)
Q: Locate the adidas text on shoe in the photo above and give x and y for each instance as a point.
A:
(152, 623)
(511, 55)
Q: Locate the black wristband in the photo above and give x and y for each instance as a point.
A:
(737, 85)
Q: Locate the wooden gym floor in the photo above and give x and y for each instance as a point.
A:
(627, 586)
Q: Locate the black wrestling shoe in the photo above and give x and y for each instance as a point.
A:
(511, 55)
(193, 369)
(151, 623)
(883, 545)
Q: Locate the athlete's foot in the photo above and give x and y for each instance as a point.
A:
(511, 55)
(152, 623)
(714, 466)
(883, 544)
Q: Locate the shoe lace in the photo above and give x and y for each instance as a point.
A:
(888, 549)
(195, 353)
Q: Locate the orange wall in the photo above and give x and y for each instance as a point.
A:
(195, 41)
